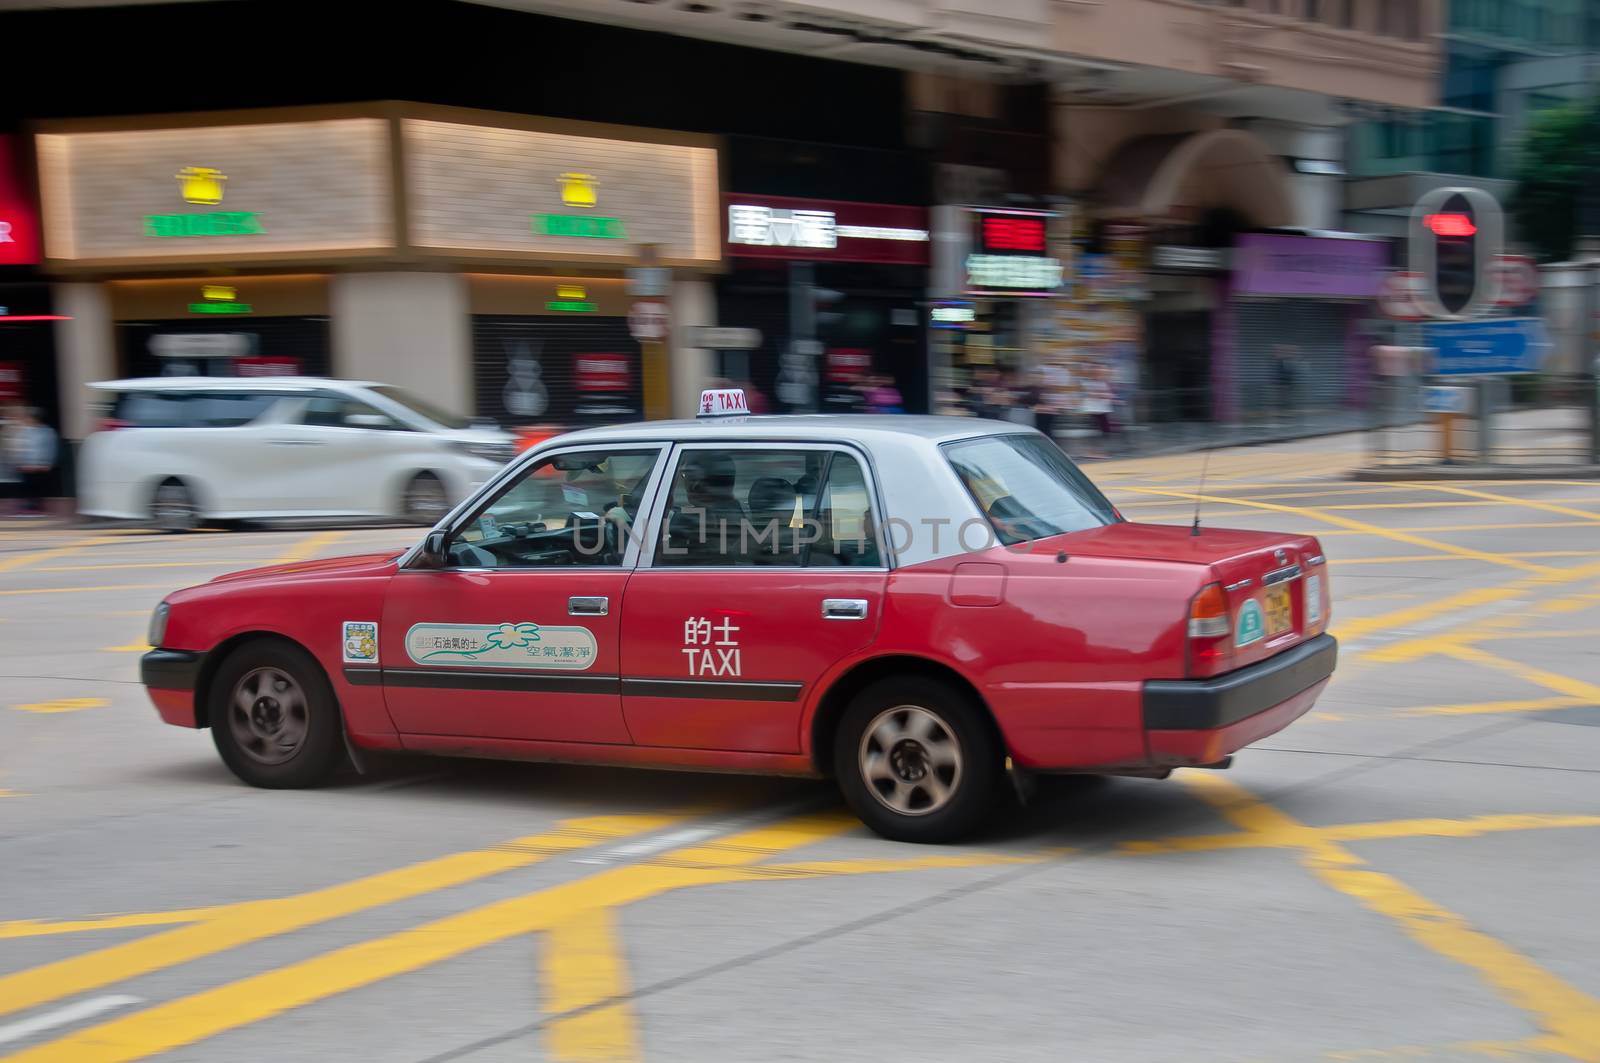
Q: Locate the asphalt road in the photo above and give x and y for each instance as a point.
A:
(1408, 873)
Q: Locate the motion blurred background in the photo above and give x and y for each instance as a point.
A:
(1137, 224)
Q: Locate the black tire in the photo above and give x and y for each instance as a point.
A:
(246, 698)
(424, 500)
(173, 507)
(933, 722)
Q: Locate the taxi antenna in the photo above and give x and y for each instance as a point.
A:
(1205, 462)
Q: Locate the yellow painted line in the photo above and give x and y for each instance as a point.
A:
(1388, 533)
(1439, 505)
(16, 561)
(1469, 827)
(1568, 1017)
(140, 646)
(1493, 627)
(155, 564)
(1562, 684)
(240, 924)
(583, 968)
(63, 705)
(1526, 503)
(86, 590)
(308, 547)
(1398, 558)
(31, 928)
(187, 1020)
(1486, 708)
(1509, 526)
(1536, 636)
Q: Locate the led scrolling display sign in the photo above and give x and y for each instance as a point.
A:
(1011, 253)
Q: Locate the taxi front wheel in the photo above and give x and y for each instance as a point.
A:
(916, 760)
(274, 718)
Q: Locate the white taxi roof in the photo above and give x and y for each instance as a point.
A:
(856, 428)
(917, 486)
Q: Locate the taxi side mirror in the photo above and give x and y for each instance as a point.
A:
(432, 554)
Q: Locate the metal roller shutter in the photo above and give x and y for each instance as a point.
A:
(525, 370)
(304, 339)
(1315, 329)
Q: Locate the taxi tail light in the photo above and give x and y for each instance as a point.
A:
(111, 424)
(1210, 624)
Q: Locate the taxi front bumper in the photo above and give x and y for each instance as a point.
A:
(169, 677)
(1201, 721)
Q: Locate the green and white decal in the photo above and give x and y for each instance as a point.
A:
(1251, 626)
(509, 645)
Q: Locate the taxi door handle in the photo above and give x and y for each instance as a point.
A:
(588, 606)
(844, 608)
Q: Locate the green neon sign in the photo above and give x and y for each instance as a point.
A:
(217, 223)
(570, 306)
(220, 308)
(584, 225)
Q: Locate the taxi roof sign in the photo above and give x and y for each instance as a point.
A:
(723, 402)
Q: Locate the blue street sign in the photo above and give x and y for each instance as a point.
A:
(1481, 348)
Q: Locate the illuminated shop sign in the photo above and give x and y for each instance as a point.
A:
(826, 230)
(19, 224)
(1010, 253)
(571, 299)
(219, 299)
(553, 195)
(953, 315)
(230, 192)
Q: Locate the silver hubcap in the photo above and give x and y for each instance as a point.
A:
(425, 500)
(268, 715)
(173, 508)
(910, 760)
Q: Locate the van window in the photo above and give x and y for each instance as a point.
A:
(190, 409)
(329, 410)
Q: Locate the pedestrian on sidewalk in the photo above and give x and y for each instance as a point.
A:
(31, 449)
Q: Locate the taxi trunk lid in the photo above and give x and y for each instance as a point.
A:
(1275, 583)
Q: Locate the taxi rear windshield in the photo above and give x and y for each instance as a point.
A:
(1027, 488)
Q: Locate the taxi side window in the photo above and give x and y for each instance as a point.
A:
(573, 509)
(767, 508)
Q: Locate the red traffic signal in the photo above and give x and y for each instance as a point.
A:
(1450, 225)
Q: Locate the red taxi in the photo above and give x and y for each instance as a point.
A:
(912, 605)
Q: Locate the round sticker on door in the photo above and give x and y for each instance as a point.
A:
(1250, 624)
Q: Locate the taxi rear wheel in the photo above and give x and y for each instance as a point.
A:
(917, 760)
(274, 718)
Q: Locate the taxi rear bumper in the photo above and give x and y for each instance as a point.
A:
(170, 677)
(1200, 721)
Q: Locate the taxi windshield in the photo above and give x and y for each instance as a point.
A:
(1027, 488)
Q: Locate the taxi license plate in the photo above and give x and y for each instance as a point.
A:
(1277, 609)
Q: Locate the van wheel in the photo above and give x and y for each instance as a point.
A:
(917, 760)
(173, 507)
(274, 718)
(424, 500)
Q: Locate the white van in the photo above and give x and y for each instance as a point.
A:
(177, 451)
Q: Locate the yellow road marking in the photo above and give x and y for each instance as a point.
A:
(9, 564)
(1345, 522)
(1479, 708)
(187, 1020)
(1359, 627)
(1452, 505)
(205, 1014)
(63, 705)
(1568, 1017)
(1398, 558)
(240, 924)
(1527, 503)
(1535, 636)
(305, 548)
(582, 969)
(29, 928)
(155, 564)
(1510, 526)
(1469, 827)
(1561, 684)
(1490, 627)
(86, 590)
(133, 647)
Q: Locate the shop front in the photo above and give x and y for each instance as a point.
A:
(475, 257)
(999, 268)
(1297, 303)
(835, 291)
